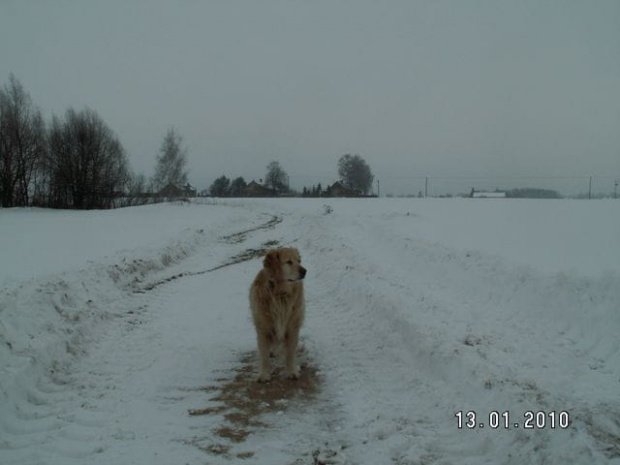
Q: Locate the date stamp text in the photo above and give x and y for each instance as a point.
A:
(530, 420)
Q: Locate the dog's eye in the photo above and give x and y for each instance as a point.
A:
(290, 262)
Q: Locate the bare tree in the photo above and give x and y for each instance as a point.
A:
(171, 161)
(355, 173)
(136, 190)
(87, 164)
(22, 144)
(276, 178)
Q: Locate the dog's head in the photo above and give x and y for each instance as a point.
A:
(285, 265)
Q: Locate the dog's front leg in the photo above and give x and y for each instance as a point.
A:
(264, 370)
(290, 346)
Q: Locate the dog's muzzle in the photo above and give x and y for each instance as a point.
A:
(302, 275)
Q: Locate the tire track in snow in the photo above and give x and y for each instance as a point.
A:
(235, 238)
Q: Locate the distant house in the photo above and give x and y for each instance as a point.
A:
(488, 195)
(254, 189)
(338, 190)
(190, 191)
(173, 191)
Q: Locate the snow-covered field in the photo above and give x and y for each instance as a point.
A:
(125, 335)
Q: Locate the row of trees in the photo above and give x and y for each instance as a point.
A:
(276, 183)
(75, 161)
(224, 187)
(533, 193)
(354, 175)
(86, 166)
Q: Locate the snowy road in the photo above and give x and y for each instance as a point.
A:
(146, 356)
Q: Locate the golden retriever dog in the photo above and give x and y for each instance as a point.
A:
(278, 308)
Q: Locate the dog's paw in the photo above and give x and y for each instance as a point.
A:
(263, 377)
(293, 374)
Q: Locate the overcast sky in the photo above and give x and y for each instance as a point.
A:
(439, 88)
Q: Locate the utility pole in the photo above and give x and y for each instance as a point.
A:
(426, 187)
(378, 189)
(590, 189)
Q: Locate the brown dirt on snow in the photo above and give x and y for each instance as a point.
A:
(242, 401)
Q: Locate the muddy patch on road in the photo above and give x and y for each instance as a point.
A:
(241, 403)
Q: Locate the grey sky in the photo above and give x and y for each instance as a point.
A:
(440, 88)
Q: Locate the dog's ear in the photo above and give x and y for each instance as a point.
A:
(272, 259)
